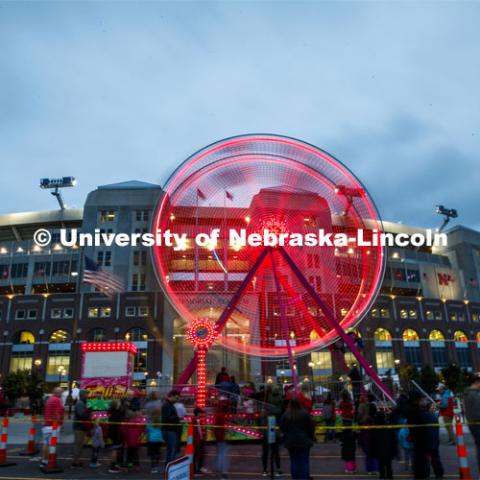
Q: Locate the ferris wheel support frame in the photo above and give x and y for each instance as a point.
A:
(347, 339)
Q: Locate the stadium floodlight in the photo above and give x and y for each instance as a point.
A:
(55, 184)
(447, 213)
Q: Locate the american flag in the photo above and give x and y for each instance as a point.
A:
(108, 283)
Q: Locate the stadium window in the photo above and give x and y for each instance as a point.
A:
(136, 256)
(429, 315)
(97, 335)
(410, 335)
(374, 312)
(141, 215)
(20, 361)
(143, 257)
(99, 259)
(438, 315)
(460, 317)
(142, 282)
(61, 267)
(412, 314)
(460, 336)
(92, 312)
(403, 313)
(384, 359)
(436, 336)
(129, 311)
(57, 359)
(56, 313)
(413, 276)
(475, 317)
(41, 269)
(68, 313)
(105, 312)
(107, 216)
(32, 314)
(59, 336)
(142, 311)
(20, 315)
(19, 270)
(134, 282)
(24, 337)
(382, 335)
(385, 313)
(4, 271)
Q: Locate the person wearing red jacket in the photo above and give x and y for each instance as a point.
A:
(132, 430)
(445, 407)
(54, 411)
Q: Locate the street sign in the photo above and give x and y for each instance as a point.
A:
(178, 469)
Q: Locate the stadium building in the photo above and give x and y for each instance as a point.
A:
(428, 312)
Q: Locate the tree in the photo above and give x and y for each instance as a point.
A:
(407, 373)
(456, 378)
(428, 379)
(14, 385)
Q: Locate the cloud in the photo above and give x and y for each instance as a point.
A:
(115, 91)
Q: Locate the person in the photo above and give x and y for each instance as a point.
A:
(171, 425)
(152, 403)
(446, 405)
(433, 439)
(365, 414)
(199, 441)
(222, 376)
(472, 412)
(305, 397)
(154, 438)
(346, 408)
(81, 417)
(54, 411)
(115, 418)
(131, 403)
(406, 445)
(132, 430)
(418, 435)
(298, 430)
(329, 415)
(270, 446)
(221, 443)
(384, 445)
(356, 378)
(348, 450)
(97, 443)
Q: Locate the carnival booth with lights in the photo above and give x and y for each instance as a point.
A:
(259, 298)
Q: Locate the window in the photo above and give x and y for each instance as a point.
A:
(439, 355)
(129, 311)
(19, 270)
(4, 271)
(59, 336)
(412, 314)
(20, 361)
(413, 356)
(41, 269)
(57, 360)
(142, 311)
(436, 336)
(399, 274)
(463, 356)
(105, 312)
(413, 276)
(24, 337)
(460, 336)
(136, 334)
(135, 282)
(475, 317)
(382, 334)
(141, 215)
(20, 315)
(32, 314)
(68, 313)
(107, 216)
(104, 258)
(403, 313)
(385, 313)
(322, 360)
(374, 312)
(410, 335)
(433, 315)
(142, 282)
(92, 312)
(61, 268)
(140, 257)
(97, 335)
(385, 360)
(56, 313)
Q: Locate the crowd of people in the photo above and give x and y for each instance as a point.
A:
(353, 419)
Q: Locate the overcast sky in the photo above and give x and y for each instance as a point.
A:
(110, 92)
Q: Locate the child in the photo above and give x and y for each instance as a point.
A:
(97, 443)
(199, 439)
(154, 438)
(348, 450)
(132, 433)
(406, 445)
(346, 408)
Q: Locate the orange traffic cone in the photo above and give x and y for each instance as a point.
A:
(189, 448)
(464, 470)
(52, 466)
(3, 444)
(31, 448)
